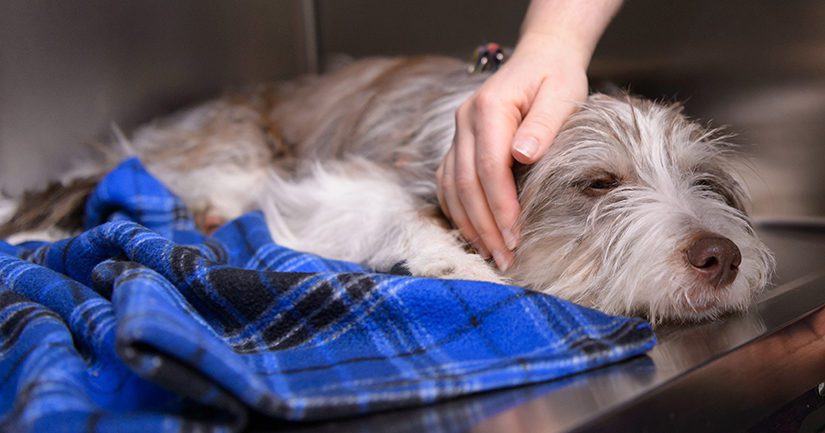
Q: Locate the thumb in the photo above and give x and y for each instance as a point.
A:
(539, 128)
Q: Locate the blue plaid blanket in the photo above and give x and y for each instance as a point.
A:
(142, 324)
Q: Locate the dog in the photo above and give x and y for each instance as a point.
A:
(634, 209)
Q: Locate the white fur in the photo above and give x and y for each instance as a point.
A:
(623, 253)
(344, 166)
(357, 211)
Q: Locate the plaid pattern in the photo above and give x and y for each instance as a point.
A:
(143, 324)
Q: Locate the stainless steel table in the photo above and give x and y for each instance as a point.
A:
(719, 376)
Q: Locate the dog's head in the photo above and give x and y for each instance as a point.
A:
(636, 210)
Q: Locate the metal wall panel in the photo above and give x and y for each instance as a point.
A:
(69, 69)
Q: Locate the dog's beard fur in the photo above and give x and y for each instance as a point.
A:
(343, 165)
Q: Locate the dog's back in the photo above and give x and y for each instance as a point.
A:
(394, 112)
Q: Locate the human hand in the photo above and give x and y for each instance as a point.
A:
(516, 113)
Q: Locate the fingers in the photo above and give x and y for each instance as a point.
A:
(544, 120)
(474, 200)
(494, 164)
(452, 206)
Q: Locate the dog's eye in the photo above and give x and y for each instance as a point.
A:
(601, 185)
(710, 185)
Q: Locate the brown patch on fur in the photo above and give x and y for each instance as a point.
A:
(58, 206)
(272, 131)
(264, 99)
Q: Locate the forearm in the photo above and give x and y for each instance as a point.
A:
(576, 24)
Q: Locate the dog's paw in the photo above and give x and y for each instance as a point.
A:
(464, 267)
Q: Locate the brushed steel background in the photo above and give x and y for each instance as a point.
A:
(68, 70)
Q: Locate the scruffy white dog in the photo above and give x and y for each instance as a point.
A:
(633, 210)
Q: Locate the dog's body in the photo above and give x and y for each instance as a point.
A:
(627, 212)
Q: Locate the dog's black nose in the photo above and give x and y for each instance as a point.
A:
(714, 258)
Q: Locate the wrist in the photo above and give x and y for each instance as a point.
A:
(555, 48)
(575, 25)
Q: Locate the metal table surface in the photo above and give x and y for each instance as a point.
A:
(717, 376)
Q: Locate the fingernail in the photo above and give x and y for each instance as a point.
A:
(501, 260)
(526, 146)
(510, 239)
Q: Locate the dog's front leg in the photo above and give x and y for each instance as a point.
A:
(427, 249)
(358, 212)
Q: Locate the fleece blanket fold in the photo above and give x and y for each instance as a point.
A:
(142, 324)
